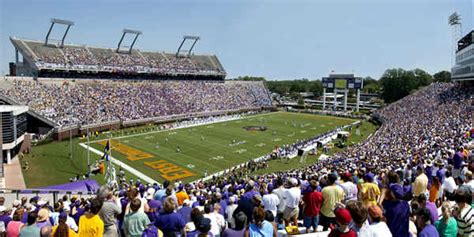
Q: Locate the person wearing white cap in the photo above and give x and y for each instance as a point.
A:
(150, 193)
(4, 217)
(292, 197)
(70, 222)
(15, 205)
(229, 211)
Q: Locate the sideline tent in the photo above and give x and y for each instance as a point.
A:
(78, 186)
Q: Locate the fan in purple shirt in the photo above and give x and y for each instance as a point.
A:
(423, 222)
(397, 211)
(168, 220)
(185, 211)
(240, 221)
(431, 207)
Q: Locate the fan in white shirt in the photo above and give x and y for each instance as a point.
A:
(270, 202)
(218, 223)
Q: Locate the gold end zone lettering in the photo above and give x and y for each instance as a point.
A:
(168, 170)
(181, 174)
(131, 153)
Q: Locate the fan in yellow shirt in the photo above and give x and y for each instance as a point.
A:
(370, 191)
(90, 224)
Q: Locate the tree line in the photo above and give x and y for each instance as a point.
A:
(394, 84)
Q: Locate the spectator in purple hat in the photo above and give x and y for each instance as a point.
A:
(71, 223)
(154, 208)
(62, 229)
(247, 201)
(203, 228)
(397, 210)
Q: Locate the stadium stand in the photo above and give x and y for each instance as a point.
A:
(85, 101)
(93, 62)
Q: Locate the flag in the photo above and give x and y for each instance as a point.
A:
(106, 151)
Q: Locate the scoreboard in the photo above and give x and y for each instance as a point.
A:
(342, 82)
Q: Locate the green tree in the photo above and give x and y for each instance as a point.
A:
(371, 85)
(442, 76)
(250, 78)
(422, 78)
(397, 83)
(316, 87)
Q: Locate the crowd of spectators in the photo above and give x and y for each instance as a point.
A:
(88, 102)
(413, 177)
(81, 57)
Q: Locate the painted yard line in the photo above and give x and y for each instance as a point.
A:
(217, 174)
(189, 126)
(123, 165)
(176, 160)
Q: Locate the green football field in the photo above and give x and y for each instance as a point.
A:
(213, 147)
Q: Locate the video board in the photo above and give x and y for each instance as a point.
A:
(342, 82)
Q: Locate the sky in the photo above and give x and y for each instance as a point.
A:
(276, 39)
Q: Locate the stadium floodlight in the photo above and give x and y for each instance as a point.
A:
(187, 53)
(454, 19)
(125, 32)
(60, 22)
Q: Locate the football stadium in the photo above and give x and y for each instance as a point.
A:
(138, 138)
